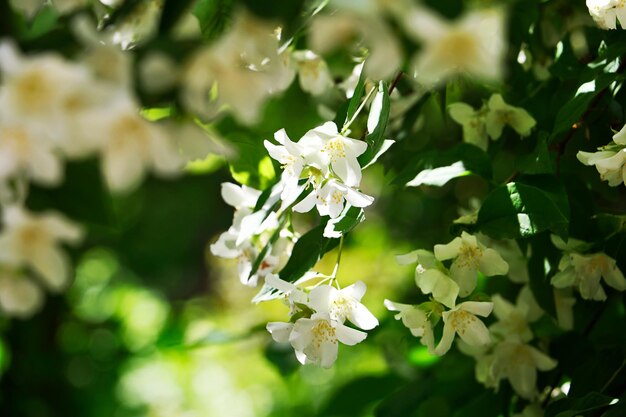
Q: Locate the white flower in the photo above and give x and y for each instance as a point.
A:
(519, 362)
(240, 70)
(501, 114)
(343, 304)
(512, 321)
(19, 296)
(291, 155)
(469, 257)
(315, 340)
(473, 122)
(462, 320)
(610, 161)
(431, 277)
(416, 320)
(335, 151)
(606, 12)
(329, 199)
(585, 272)
(340, 29)
(130, 144)
(24, 151)
(239, 196)
(313, 72)
(474, 45)
(33, 241)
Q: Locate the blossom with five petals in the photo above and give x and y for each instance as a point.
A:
(329, 199)
(470, 256)
(462, 320)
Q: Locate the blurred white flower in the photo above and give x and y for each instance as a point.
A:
(474, 45)
(470, 256)
(519, 362)
(33, 240)
(19, 296)
(606, 12)
(584, 272)
(512, 321)
(25, 151)
(330, 32)
(130, 145)
(240, 70)
(313, 73)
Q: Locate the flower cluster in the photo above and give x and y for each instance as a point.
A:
(606, 13)
(489, 121)
(317, 317)
(610, 160)
(510, 355)
(585, 272)
(468, 257)
(251, 233)
(328, 161)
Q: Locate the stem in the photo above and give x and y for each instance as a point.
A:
(356, 113)
(395, 81)
(334, 274)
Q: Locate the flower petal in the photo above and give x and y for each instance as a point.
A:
(491, 263)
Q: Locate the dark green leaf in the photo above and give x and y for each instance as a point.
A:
(524, 208)
(213, 16)
(306, 252)
(348, 400)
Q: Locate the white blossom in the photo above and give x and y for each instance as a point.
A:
(313, 73)
(335, 152)
(19, 296)
(240, 71)
(330, 197)
(342, 304)
(131, 144)
(610, 161)
(470, 256)
(473, 122)
(416, 320)
(606, 12)
(473, 45)
(501, 114)
(584, 272)
(316, 339)
(519, 362)
(512, 321)
(33, 240)
(462, 320)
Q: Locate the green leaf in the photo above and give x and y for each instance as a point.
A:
(438, 167)
(540, 161)
(574, 109)
(214, 16)
(571, 407)
(347, 221)
(543, 256)
(173, 10)
(524, 208)
(348, 400)
(306, 252)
